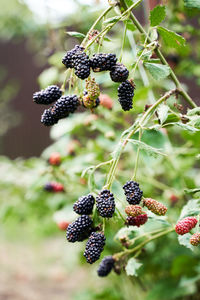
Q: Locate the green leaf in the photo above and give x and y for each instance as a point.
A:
(112, 20)
(162, 112)
(184, 240)
(191, 208)
(76, 34)
(130, 26)
(171, 38)
(192, 191)
(157, 15)
(150, 150)
(192, 3)
(194, 111)
(187, 127)
(132, 266)
(157, 71)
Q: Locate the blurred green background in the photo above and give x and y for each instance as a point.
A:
(36, 261)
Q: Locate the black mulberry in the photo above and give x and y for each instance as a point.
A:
(47, 96)
(119, 73)
(48, 119)
(69, 58)
(105, 204)
(81, 65)
(103, 62)
(125, 95)
(64, 106)
(132, 192)
(84, 205)
(105, 266)
(94, 247)
(80, 229)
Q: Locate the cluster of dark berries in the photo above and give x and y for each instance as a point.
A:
(63, 106)
(77, 59)
(55, 187)
(132, 192)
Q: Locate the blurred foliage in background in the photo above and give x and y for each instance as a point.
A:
(169, 270)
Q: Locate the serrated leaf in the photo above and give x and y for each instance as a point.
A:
(76, 34)
(192, 191)
(191, 208)
(192, 3)
(184, 240)
(157, 15)
(157, 71)
(171, 38)
(132, 266)
(150, 150)
(162, 112)
(112, 20)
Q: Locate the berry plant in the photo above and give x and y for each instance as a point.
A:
(121, 176)
(132, 164)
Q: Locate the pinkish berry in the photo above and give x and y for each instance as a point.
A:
(195, 239)
(137, 221)
(185, 225)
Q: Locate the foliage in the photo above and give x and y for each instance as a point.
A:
(160, 147)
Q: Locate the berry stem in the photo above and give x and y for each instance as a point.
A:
(123, 43)
(159, 54)
(126, 252)
(104, 13)
(137, 156)
(120, 214)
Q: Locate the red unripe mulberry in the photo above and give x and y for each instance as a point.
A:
(195, 239)
(63, 225)
(55, 159)
(133, 210)
(137, 221)
(185, 225)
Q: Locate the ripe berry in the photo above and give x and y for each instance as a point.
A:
(80, 229)
(125, 95)
(68, 59)
(48, 119)
(195, 239)
(47, 96)
(55, 159)
(64, 106)
(105, 266)
(84, 205)
(94, 247)
(155, 207)
(132, 192)
(119, 73)
(81, 65)
(63, 225)
(133, 210)
(55, 187)
(185, 225)
(105, 203)
(137, 221)
(103, 62)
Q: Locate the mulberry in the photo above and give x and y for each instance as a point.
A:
(80, 229)
(69, 58)
(185, 225)
(105, 266)
(105, 204)
(133, 210)
(125, 95)
(119, 73)
(81, 65)
(103, 62)
(47, 96)
(64, 106)
(48, 119)
(84, 205)
(137, 221)
(54, 187)
(195, 239)
(94, 247)
(154, 206)
(132, 192)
